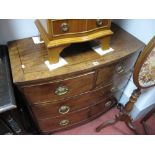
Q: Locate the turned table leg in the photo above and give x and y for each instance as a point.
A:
(54, 53)
(124, 113)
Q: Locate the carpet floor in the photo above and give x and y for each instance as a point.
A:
(117, 129)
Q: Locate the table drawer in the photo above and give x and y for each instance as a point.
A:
(97, 23)
(66, 26)
(119, 82)
(59, 89)
(54, 109)
(115, 71)
(83, 115)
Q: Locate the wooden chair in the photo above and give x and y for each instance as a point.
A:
(143, 77)
(145, 118)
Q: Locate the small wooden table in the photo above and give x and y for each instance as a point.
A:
(61, 33)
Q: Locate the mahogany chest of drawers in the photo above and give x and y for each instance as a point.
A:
(78, 92)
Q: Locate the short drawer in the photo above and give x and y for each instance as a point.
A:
(97, 23)
(68, 26)
(54, 109)
(115, 71)
(59, 89)
(54, 124)
(119, 82)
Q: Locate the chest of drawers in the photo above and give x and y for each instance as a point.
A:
(77, 92)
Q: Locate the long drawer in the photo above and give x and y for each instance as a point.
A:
(59, 89)
(55, 109)
(83, 115)
(73, 26)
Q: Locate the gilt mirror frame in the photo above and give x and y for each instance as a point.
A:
(144, 56)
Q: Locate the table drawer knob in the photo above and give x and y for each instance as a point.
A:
(64, 27)
(107, 104)
(61, 90)
(64, 122)
(120, 69)
(99, 22)
(64, 109)
(113, 89)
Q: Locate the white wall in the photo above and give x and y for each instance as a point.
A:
(12, 29)
(21, 28)
(143, 29)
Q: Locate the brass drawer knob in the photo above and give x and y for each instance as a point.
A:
(61, 90)
(113, 89)
(64, 109)
(99, 22)
(120, 69)
(107, 104)
(64, 122)
(64, 27)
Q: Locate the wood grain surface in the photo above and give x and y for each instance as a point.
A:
(32, 56)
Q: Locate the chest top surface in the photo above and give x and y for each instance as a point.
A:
(27, 59)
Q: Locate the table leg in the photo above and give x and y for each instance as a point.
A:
(105, 42)
(54, 53)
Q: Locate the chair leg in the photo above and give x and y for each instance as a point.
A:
(109, 122)
(120, 117)
(144, 127)
(105, 124)
(145, 119)
(131, 127)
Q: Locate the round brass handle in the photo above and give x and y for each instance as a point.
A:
(113, 89)
(107, 104)
(120, 69)
(64, 122)
(61, 90)
(64, 109)
(64, 27)
(99, 22)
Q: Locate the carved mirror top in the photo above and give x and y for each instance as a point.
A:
(144, 74)
(147, 72)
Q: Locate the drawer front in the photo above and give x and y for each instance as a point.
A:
(68, 26)
(59, 89)
(51, 109)
(109, 75)
(97, 23)
(50, 125)
(115, 71)
(119, 82)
